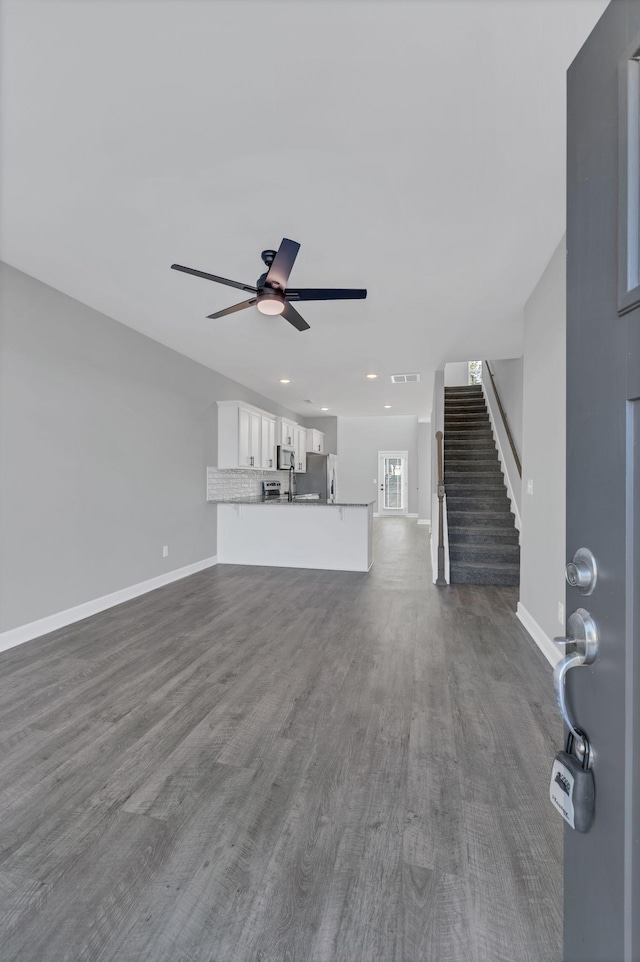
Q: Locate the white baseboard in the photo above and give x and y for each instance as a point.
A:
(424, 521)
(542, 640)
(376, 514)
(412, 516)
(17, 636)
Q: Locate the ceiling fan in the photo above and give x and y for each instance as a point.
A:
(272, 296)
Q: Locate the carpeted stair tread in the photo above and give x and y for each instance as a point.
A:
(479, 464)
(461, 448)
(482, 499)
(485, 553)
(474, 477)
(471, 414)
(485, 519)
(470, 434)
(475, 534)
(467, 573)
(479, 505)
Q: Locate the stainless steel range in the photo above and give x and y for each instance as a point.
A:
(271, 490)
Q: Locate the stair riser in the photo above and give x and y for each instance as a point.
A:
(470, 413)
(480, 428)
(474, 466)
(459, 456)
(464, 399)
(478, 501)
(485, 553)
(483, 425)
(461, 500)
(473, 477)
(478, 506)
(468, 448)
(459, 536)
(484, 576)
(479, 436)
(487, 519)
(463, 390)
(451, 417)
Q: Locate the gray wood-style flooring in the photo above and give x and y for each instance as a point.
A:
(274, 764)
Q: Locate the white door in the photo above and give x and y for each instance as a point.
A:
(392, 483)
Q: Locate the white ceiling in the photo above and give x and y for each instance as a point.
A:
(414, 148)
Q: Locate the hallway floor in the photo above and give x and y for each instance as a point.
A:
(275, 764)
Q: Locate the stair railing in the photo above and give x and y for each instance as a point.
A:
(504, 420)
(440, 579)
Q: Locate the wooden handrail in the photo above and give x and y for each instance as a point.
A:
(504, 420)
(440, 579)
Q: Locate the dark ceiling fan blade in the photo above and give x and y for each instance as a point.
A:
(324, 293)
(214, 277)
(291, 315)
(232, 310)
(280, 269)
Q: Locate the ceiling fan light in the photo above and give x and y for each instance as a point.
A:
(270, 303)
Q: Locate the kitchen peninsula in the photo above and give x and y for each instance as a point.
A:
(302, 533)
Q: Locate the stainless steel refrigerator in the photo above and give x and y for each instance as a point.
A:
(321, 477)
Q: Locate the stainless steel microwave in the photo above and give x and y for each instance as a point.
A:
(286, 457)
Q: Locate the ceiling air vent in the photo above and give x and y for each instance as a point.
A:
(404, 378)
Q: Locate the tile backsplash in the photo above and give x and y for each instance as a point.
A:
(238, 483)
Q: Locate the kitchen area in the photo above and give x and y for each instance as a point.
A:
(277, 496)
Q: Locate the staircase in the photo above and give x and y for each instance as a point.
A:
(483, 538)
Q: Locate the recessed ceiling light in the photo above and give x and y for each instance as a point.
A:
(324, 409)
(371, 377)
(387, 405)
(285, 380)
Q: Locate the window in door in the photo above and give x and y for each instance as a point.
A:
(475, 372)
(393, 482)
(629, 185)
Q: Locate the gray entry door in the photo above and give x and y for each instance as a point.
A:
(602, 868)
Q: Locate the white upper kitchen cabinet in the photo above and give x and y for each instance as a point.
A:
(268, 443)
(301, 449)
(315, 441)
(246, 436)
(287, 432)
(249, 437)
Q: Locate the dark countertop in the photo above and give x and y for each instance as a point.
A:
(302, 501)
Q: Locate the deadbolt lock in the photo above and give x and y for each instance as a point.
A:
(582, 572)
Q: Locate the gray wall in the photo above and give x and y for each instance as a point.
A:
(424, 470)
(456, 374)
(329, 426)
(508, 376)
(104, 440)
(359, 440)
(544, 447)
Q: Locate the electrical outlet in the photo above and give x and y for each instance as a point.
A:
(561, 613)
(165, 551)
(530, 486)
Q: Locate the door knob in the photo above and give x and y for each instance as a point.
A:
(581, 644)
(582, 572)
